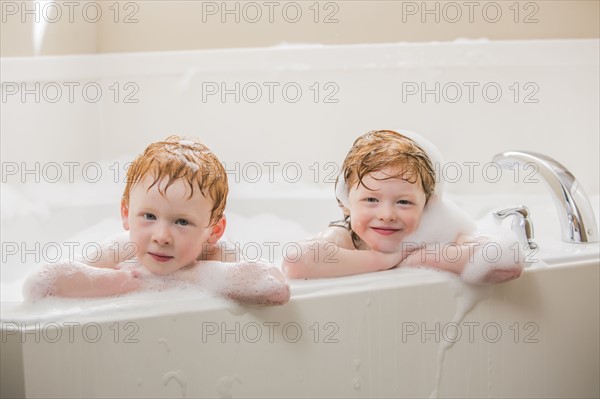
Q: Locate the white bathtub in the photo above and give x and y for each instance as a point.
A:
(375, 335)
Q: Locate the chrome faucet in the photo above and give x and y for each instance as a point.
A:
(577, 220)
(521, 224)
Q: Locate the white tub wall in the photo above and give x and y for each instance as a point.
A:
(56, 133)
(562, 124)
(556, 357)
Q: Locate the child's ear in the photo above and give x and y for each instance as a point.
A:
(125, 213)
(345, 210)
(217, 230)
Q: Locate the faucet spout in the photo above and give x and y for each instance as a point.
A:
(522, 224)
(577, 220)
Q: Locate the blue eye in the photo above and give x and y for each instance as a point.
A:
(182, 222)
(149, 216)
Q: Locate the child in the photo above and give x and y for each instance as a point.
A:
(386, 189)
(172, 208)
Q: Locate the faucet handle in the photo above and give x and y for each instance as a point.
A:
(575, 212)
(521, 225)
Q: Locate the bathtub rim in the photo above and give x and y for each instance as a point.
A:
(143, 307)
(293, 57)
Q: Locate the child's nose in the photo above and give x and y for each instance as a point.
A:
(387, 213)
(161, 235)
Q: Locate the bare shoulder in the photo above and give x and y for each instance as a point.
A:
(338, 236)
(223, 251)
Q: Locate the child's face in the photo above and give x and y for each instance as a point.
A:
(386, 212)
(170, 231)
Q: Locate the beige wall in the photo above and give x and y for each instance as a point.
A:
(182, 25)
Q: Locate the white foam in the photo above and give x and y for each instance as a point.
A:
(144, 303)
(435, 156)
(41, 283)
(179, 153)
(243, 280)
(498, 255)
(263, 235)
(442, 222)
(15, 204)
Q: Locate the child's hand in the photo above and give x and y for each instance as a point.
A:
(467, 258)
(256, 283)
(504, 263)
(78, 280)
(386, 261)
(111, 252)
(114, 282)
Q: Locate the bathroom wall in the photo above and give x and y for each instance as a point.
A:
(472, 99)
(79, 27)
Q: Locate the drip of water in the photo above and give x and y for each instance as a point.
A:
(489, 374)
(467, 296)
(225, 386)
(165, 343)
(356, 381)
(179, 378)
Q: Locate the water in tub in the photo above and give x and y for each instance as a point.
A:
(44, 223)
(40, 214)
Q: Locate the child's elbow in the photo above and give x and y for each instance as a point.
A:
(296, 268)
(306, 263)
(39, 284)
(281, 296)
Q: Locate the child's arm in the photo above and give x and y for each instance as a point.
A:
(334, 255)
(478, 260)
(258, 283)
(110, 252)
(92, 274)
(449, 257)
(78, 280)
(255, 283)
